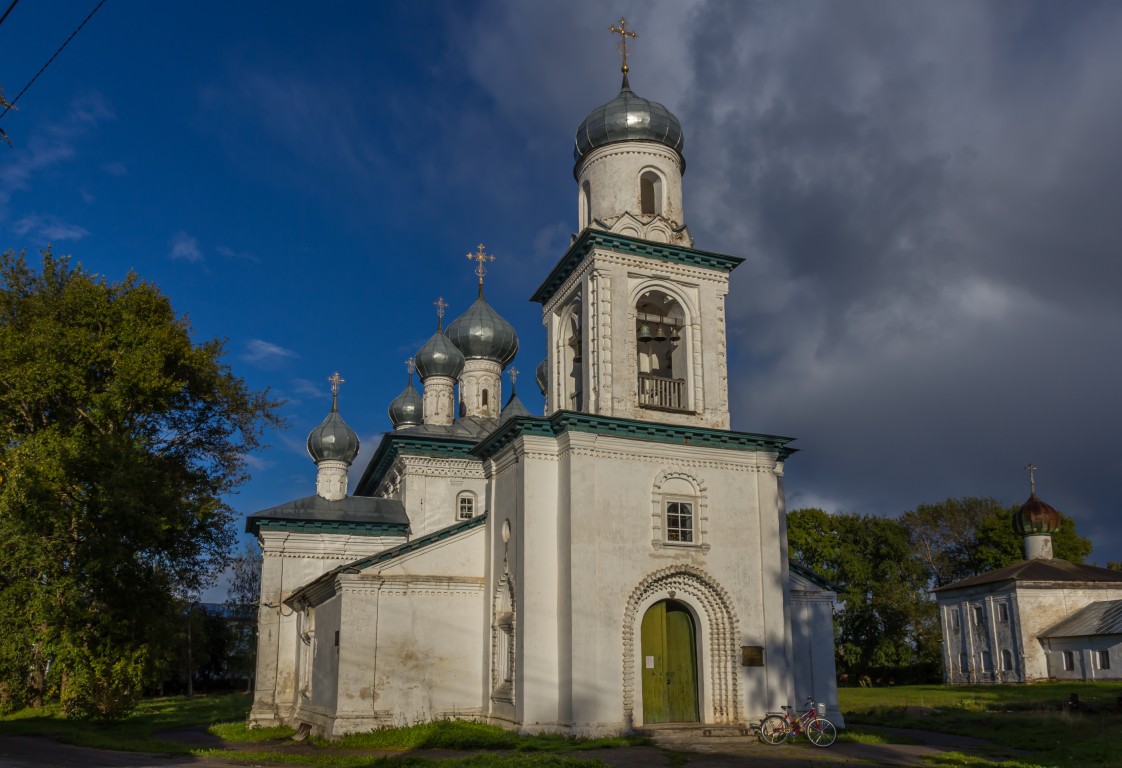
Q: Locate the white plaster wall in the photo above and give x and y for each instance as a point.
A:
(1085, 656)
(289, 561)
(613, 171)
(812, 633)
(1042, 608)
(583, 518)
(430, 487)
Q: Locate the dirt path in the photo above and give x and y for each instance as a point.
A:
(726, 752)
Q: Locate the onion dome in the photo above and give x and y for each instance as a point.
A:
(439, 356)
(333, 440)
(1036, 517)
(541, 375)
(482, 333)
(407, 409)
(628, 117)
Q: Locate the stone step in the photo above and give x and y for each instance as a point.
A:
(676, 731)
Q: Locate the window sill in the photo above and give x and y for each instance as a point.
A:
(660, 544)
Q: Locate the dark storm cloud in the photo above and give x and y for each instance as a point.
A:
(928, 198)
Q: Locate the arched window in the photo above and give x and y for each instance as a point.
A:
(679, 511)
(465, 506)
(572, 353)
(484, 402)
(650, 193)
(585, 205)
(660, 345)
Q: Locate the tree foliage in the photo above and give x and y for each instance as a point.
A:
(960, 538)
(884, 623)
(242, 600)
(119, 437)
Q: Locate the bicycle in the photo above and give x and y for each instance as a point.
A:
(779, 727)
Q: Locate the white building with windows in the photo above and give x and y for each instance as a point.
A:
(1042, 618)
(619, 561)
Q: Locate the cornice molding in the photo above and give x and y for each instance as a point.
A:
(592, 239)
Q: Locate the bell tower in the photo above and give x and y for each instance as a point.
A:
(634, 314)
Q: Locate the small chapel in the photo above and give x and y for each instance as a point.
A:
(1042, 618)
(615, 562)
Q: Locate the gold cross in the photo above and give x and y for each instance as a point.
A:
(440, 305)
(623, 33)
(1032, 478)
(513, 372)
(335, 380)
(480, 257)
(410, 366)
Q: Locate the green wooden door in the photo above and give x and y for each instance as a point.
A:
(669, 664)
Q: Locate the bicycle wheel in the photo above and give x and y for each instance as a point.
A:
(773, 730)
(821, 732)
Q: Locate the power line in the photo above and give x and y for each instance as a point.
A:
(56, 53)
(10, 7)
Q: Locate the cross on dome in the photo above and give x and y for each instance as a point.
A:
(440, 305)
(480, 257)
(623, 33)
(1032, 479)
(410, 365)
(513, 372)
(335, 380)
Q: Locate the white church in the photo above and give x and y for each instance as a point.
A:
(617, 562)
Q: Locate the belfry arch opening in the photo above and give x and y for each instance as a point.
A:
(650, 193)
(572, 355)
(660, 335)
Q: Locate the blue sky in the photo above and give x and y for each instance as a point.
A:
(926, 195)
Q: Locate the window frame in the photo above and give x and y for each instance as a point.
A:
(1067, 660)
(1006, 660)
(1102, 657)
(679, 501)
(465, 496)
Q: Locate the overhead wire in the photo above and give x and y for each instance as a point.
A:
(10, 7)
(56, 53)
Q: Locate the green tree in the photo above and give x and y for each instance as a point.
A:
(884, 623)
(242, 600)
(960, 538)
(119, 437)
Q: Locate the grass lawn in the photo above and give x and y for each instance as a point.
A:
(1016, 717)
(225, 716)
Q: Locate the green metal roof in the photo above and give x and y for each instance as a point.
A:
(592, 239)
(421, 542)
(632, 429)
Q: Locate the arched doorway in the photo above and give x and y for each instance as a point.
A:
(669, 664)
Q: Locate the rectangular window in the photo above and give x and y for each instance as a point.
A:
(963, 663)
(1069, 661)
(1006, 661)
(1104, 659)
(1003, 613)
(679, 521)
(979, 616)
(987, 662)
(954, 620)
(467, 508)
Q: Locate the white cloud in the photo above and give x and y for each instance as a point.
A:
(33, 154)
(185, 247)
(48, 228)
(264, 352)
(230, 253)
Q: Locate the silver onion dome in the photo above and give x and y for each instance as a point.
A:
(333, 440)
(628, 117)
(407, 409)
(541, 375)
(439, 357)
(481, 332)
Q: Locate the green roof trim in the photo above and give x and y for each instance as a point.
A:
(420, 542)
(394, 444)
(329, 526)
(592, 239)
(393, 552)
(673, 434)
